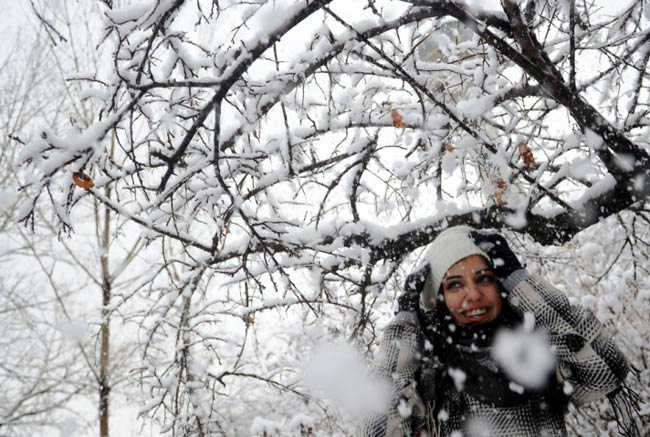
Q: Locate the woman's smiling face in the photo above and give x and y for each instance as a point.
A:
(471, 291)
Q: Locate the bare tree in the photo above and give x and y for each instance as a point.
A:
(45, 373)
(306, 150)
(72, 47)
(39, 374)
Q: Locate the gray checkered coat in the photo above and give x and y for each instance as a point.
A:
(587, 360)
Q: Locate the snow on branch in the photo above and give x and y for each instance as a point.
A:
(308, 147)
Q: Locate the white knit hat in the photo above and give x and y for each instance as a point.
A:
(449, 247)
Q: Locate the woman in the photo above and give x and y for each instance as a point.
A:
(437, 353)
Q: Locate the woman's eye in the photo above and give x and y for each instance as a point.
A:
(453, 285)
(485, 279)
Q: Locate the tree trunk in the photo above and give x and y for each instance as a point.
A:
(104, 358)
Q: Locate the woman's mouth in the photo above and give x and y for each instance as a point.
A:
(477, 313)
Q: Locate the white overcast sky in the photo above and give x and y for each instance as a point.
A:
(13, 22)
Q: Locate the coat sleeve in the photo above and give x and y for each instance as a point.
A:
(398, 362)
(589, 363)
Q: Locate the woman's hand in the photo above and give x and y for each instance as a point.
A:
(504, 261)
(410, 299)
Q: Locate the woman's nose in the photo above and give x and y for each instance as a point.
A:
(473, 292)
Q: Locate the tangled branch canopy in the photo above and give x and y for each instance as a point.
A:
(266, 137)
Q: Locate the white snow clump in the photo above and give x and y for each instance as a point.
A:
(525, 356)
(338, 372)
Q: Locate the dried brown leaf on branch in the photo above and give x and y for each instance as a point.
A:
(501, 189)
(526, 154)
(398, 120)
(448, 147)
(82, 180)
